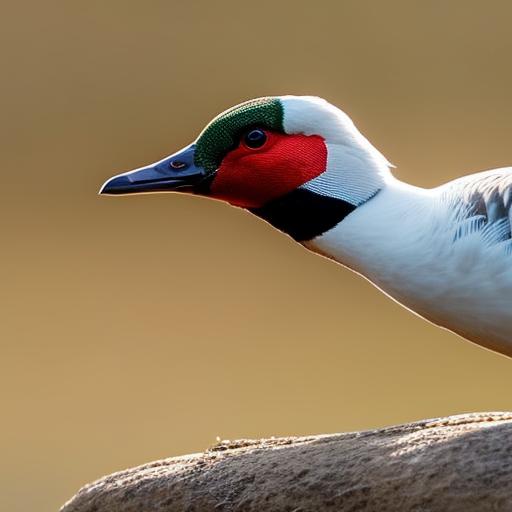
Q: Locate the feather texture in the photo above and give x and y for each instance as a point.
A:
(444, 253)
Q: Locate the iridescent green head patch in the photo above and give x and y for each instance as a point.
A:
(224, 131)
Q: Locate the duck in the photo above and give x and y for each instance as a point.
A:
(300, 164)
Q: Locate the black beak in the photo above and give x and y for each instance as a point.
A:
(176, 172)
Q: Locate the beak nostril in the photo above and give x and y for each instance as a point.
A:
(177, 164)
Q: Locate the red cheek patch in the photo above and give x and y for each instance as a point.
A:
(251, 178)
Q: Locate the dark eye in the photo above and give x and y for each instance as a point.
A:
(254, 139)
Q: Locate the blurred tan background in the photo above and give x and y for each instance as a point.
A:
(143, 327)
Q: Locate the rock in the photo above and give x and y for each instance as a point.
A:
(459, 463)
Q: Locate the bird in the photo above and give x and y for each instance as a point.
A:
(300, 164)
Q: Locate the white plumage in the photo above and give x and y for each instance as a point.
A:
(444, 253)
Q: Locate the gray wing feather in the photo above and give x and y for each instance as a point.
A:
(483, 203)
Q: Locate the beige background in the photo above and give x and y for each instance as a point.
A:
(143, 327)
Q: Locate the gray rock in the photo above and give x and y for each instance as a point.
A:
(460, 463)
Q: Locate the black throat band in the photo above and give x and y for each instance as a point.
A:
(303, 214)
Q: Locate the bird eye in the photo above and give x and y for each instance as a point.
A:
(254, 139)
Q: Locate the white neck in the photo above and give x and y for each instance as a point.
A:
(397, 234)
(389, 241)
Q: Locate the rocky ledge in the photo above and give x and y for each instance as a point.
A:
(459, 463)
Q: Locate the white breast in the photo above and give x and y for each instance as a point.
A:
(410, 243)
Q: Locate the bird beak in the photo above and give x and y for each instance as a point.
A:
(176, 172)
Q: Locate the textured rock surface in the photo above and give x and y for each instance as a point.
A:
(461, 463)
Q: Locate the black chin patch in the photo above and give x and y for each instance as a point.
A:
(303, 214)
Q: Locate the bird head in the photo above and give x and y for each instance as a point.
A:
(296, 161)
